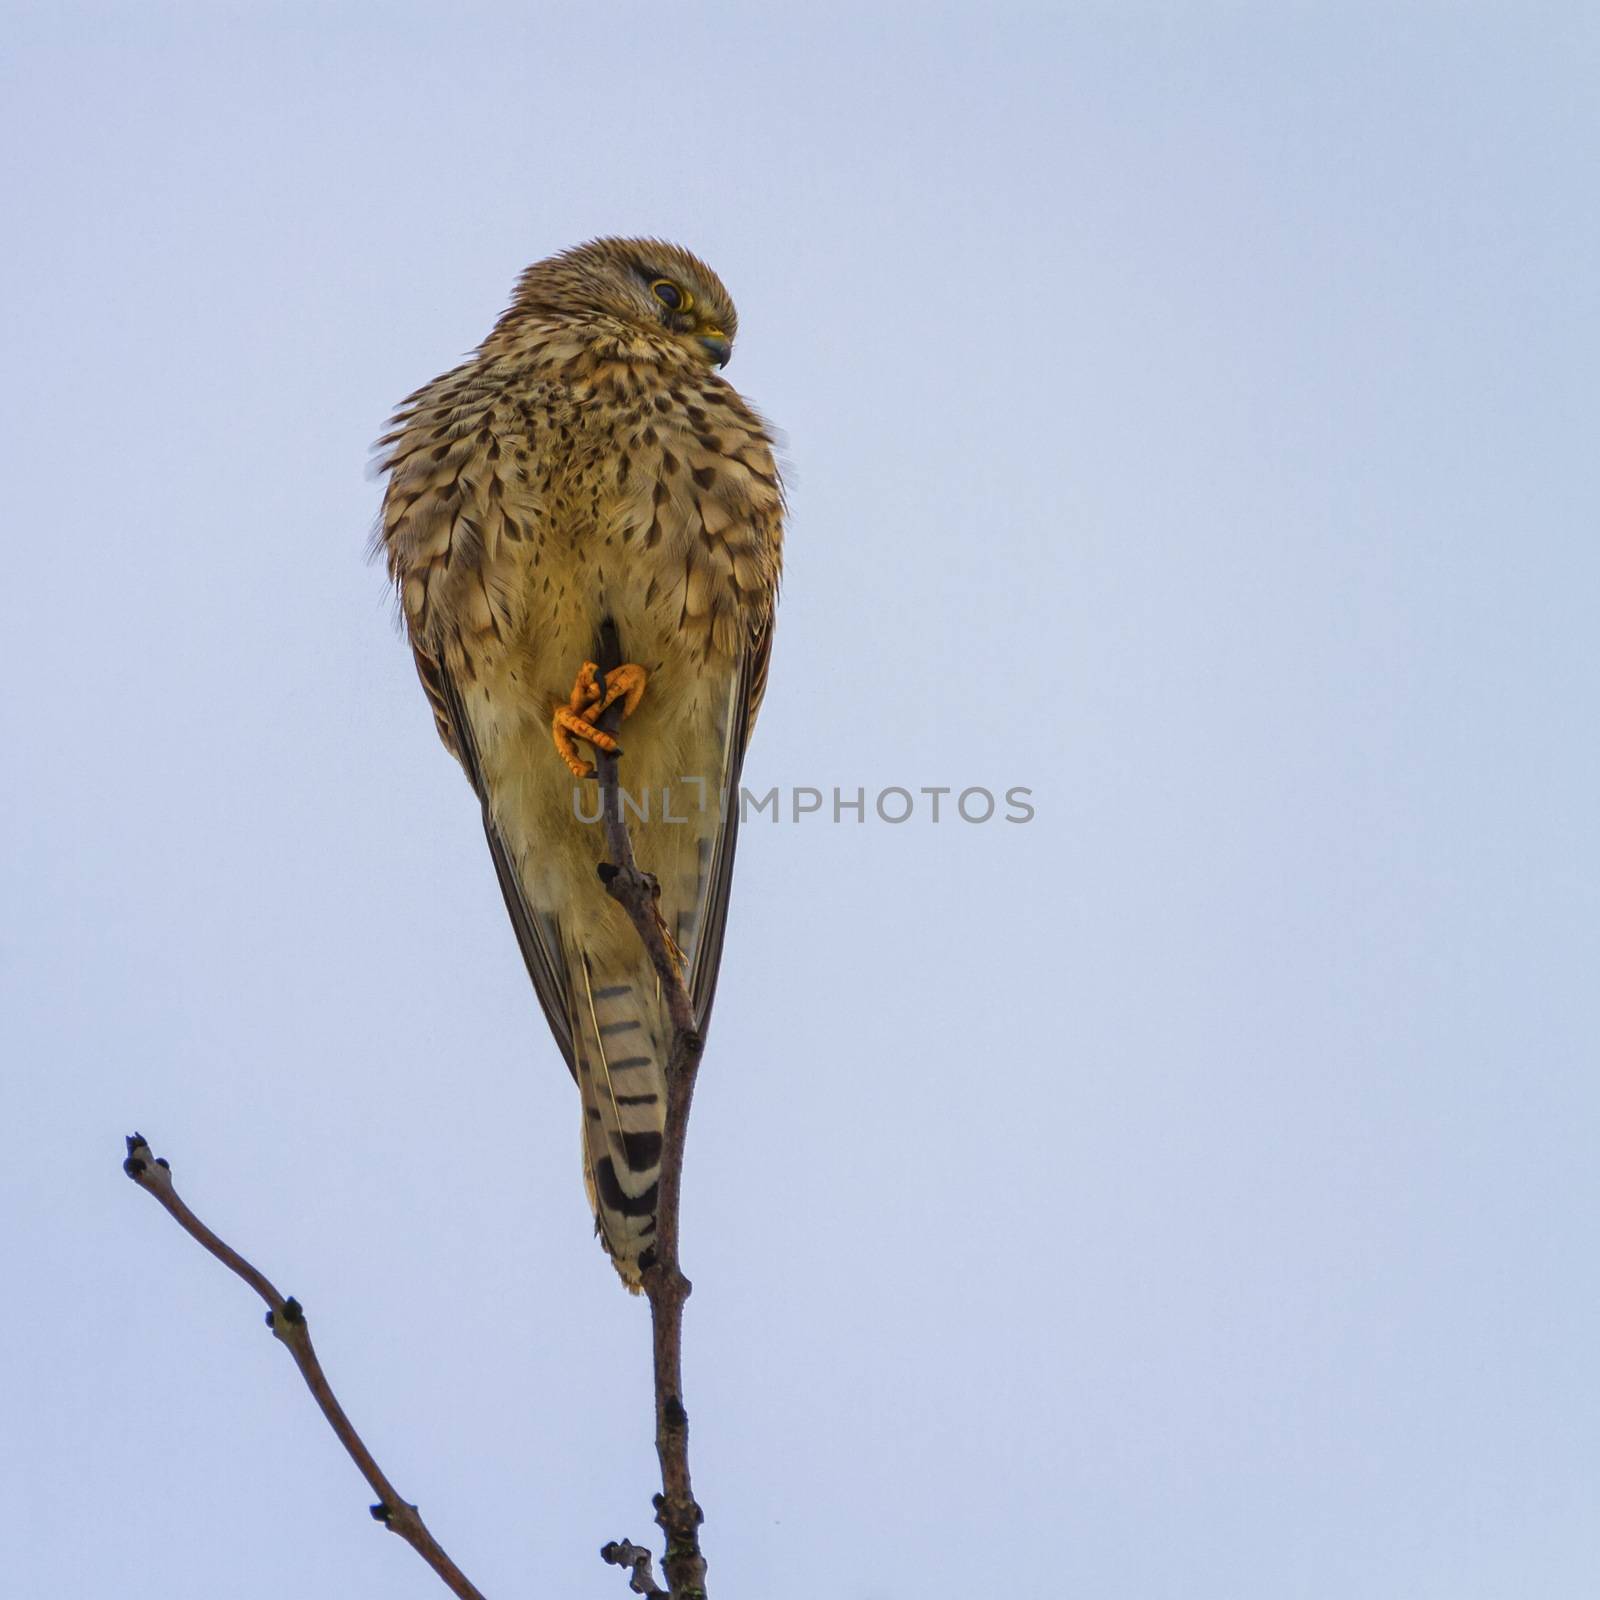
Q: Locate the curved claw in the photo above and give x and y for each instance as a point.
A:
(593, 693)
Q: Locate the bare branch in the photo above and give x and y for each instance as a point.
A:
(677, 1514)
(288, 1323)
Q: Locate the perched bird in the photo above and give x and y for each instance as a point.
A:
(587, 475)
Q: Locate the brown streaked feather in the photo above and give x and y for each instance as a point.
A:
(541, 953)
(713, 911)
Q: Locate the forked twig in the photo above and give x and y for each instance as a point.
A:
(635, 1556)
(288, 1323)
(677, 1514)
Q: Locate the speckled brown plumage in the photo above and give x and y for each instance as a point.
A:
(588, 466)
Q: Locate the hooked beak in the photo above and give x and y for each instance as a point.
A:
(717, 345)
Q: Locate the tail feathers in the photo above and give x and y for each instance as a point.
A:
(620, 1043)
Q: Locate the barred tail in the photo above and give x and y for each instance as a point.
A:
(620, 1043)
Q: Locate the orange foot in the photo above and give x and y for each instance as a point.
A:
(592, 696)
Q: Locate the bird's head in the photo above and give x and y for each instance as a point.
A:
(651, 286)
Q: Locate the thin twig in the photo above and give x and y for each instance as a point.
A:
(288, 1323)
(677, 1514)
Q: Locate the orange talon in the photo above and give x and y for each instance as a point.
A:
(625, 683)
(592, 694)
(586, 687)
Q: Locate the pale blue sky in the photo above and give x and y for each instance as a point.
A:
(1190, 1195)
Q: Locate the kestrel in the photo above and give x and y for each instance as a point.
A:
(588, 476)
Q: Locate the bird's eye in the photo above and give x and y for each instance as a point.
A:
(670, 295)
